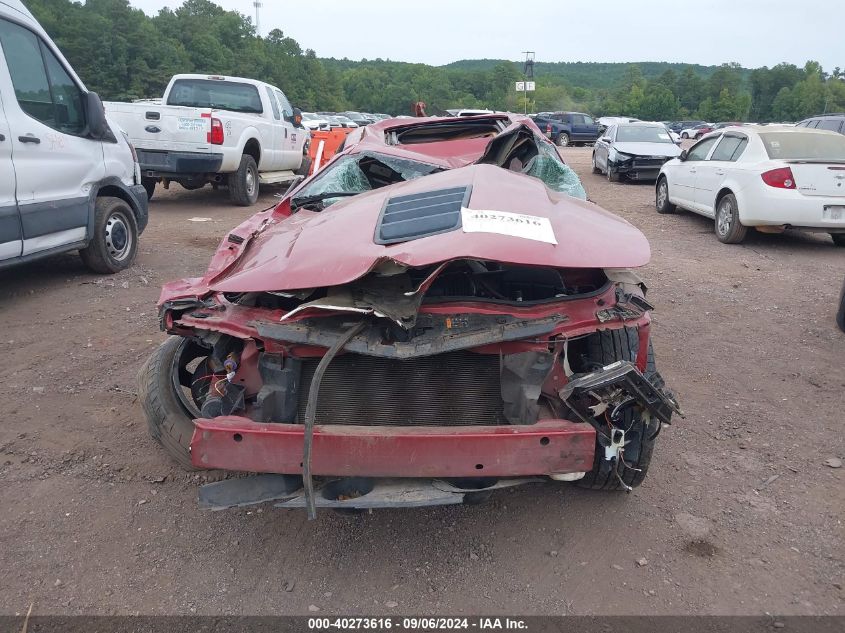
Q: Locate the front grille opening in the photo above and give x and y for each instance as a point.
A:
(453, 389)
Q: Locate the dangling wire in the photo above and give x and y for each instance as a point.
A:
(311, 414)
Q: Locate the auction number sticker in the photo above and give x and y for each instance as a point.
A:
(191, 125)
(529, 227)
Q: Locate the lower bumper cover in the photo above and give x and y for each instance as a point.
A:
(545, 448)
(161, 163)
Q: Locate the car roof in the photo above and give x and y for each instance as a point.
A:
(448, 153)
(768, 129)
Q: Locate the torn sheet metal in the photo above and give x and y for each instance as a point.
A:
(439, 335)
(403, 493)
(612, 386)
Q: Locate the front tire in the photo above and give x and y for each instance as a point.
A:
(596, 169)
(661, 197)
(164, 383)
(115, 241)
(838, 238)
(729, 230)
(243, 184)
(612, 176)
(562, 139)
(604, 348)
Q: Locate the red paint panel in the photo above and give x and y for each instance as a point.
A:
(291, 254)
(549, 446)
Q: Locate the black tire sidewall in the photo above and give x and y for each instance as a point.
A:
(237, 182)
(737, 231)
(667, 206)
(168, 422)
(96, 255)
(606, 347)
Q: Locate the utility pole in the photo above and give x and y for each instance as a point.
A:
(257, 4)
(527, 74)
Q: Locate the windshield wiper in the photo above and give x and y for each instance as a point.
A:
(301, 201)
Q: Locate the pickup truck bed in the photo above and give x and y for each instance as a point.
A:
(189, 138)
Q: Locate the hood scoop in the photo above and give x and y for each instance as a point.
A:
(417, 215)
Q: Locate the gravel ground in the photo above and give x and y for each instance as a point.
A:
(740, 513)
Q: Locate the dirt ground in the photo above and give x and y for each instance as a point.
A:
(739, 515)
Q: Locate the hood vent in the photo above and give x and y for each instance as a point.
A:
(417, 215)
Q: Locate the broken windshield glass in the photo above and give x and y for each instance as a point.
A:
(557, 175)
(363, 172)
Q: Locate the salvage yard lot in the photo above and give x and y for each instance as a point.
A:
(739, 514)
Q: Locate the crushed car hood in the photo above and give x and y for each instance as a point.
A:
(337, 246)
(648, 149)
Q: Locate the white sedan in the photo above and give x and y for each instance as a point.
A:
(768, 177)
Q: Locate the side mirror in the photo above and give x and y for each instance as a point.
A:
(683, 155)
(605, 139)
(95, 117)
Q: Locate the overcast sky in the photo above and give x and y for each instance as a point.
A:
(751, 32)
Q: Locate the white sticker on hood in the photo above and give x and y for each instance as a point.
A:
(529, 227)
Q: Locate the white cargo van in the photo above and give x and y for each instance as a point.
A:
(69, 179)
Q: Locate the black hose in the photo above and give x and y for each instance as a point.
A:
(311, 413)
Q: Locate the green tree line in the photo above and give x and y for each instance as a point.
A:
(123, 54)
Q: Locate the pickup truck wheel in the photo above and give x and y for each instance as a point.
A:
(729, 230)
(115, 240)
(661, 197)
(168, 389)
(243, 184)
(562, 139)
(149, 186)
(604, 348)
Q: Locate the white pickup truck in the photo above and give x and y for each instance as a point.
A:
(213, 129)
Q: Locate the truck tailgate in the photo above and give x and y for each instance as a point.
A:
(164, 128)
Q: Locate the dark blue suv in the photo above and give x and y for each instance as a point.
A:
(568, 128)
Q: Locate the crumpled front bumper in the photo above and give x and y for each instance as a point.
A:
(548, 447)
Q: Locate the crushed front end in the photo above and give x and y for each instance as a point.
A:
(434, 365)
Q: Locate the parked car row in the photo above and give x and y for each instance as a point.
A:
(326, 121)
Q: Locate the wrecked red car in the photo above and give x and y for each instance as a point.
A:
(436, 314)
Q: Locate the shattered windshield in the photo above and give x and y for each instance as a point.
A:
(358, 173)
(557, 175)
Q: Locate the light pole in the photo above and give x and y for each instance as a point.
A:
(527, 74)
(257, 4)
